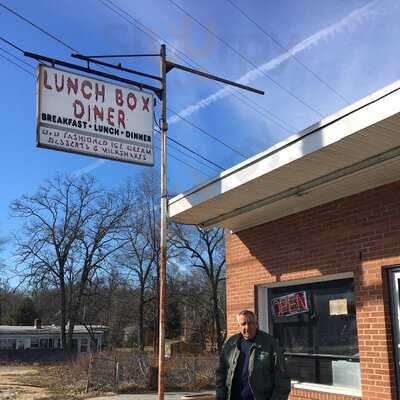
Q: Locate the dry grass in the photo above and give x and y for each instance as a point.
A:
(138, 372)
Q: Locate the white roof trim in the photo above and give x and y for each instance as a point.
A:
(356, 117)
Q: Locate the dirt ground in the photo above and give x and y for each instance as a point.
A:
(39, 382)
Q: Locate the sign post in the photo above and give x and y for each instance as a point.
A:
(163, 225)
(79, 114)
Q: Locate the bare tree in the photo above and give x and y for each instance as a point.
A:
(140, 254)
(108, 301)
(9, 298)
(70, 229)
(3, 242)
(204, 250)
(137, 259)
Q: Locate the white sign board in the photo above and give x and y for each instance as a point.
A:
(79, 114)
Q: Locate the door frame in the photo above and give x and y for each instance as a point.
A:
(393, 274)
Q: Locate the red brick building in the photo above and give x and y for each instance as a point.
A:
(313, 246)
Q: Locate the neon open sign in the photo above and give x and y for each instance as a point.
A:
(290, 304)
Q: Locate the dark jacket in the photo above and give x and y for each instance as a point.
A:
(268, 377)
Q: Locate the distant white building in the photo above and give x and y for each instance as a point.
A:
(48, 337)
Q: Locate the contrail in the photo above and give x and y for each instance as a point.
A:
(89, 168)
(355, 17)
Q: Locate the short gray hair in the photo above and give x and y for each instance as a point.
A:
(246, 313)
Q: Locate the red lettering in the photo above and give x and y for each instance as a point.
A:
(72, 84)
(76, 104)
(86, 84)
(46, 85)
(131, 100)
(59, 88)
(301, 302)
(121, 118)
(99, 92)
(281, 306)
(110, 116)
(119, 100)
(284, 306)
(98, 113)
(292, 303)
(145, 103)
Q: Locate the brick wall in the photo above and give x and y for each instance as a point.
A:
(359, 234)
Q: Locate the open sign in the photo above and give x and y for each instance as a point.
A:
(290, 304)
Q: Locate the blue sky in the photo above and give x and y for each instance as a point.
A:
(351, 47)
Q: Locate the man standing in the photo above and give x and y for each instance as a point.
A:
(251, 365)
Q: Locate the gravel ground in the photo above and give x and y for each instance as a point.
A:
(148, 396)
(13, 387)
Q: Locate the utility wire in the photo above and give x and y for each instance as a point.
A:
(184, 57)
(243, 57)
(185, 163)
(187, 148)
(193, 158)
(155, 37)
(279, 44)
(192, 151)
(17, 65)
(198, 155)
(170, 155)
(189, 165)
(58, 40)
(17, 58)
(37, 27)
(11, 44)
(209, 135)
(69, 47)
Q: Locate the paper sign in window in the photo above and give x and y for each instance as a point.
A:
(338, 307)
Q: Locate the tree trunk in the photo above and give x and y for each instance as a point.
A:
(141, 319)
(217, 322)
(63, 321)
(71, 325)
(73, 318)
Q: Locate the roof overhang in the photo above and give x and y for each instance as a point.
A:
(349, 152)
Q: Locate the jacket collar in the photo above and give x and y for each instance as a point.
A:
(255, 342)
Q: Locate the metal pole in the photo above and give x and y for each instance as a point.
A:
(163, 225)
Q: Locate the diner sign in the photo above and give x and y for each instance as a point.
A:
(79, 114)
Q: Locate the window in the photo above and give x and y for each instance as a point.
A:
(316, 325)
(94, 343)
(20, 344)
(84, 345)
(8, 344)
(34, 343)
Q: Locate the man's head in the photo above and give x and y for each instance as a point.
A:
(248, 324)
